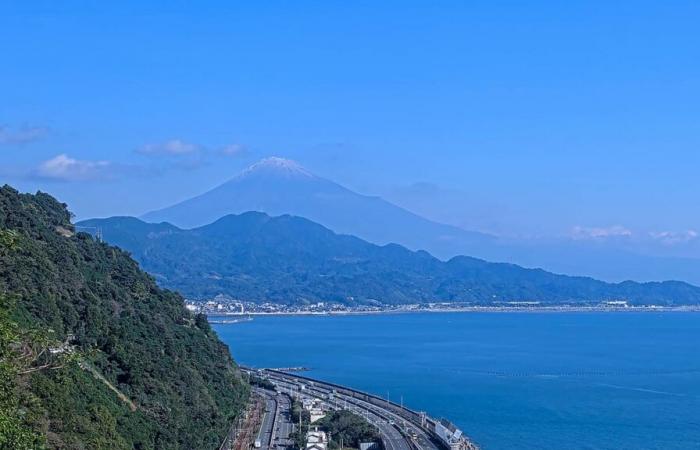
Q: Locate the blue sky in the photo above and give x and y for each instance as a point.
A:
(513, 117)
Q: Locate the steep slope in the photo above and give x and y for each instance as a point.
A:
(279, 186)
(97, 356)
(289, 259)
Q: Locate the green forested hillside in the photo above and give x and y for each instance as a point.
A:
(93, 355)
(289, 259)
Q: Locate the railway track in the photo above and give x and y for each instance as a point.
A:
(401, 428)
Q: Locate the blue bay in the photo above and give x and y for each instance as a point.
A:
(509, 380)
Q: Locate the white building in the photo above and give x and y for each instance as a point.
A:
(316, 440)
(618, 303)
(315, 408)
(316, 414)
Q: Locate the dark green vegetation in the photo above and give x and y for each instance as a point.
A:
(342, 426)
(93, 355)
(348, 428)
(286, 259)
(264, 383)
(298, 436)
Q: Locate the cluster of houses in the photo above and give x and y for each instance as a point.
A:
(315, 408)
(317, 439)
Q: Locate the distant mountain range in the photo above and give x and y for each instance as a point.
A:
(288, 259)
(279, 186)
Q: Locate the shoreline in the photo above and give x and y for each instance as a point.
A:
(466, 310)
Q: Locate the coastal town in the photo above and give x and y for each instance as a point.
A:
(222, 305)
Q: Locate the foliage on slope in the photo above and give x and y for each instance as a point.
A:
(342, 426)
(348, 428)
(288, 259)
(93, 354)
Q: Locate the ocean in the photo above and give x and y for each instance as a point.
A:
(615, 380)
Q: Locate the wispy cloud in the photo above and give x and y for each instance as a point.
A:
(21, 135)
(183, 155)
(615, 231)
(174, 154)
(674, 237)
(234, 150)
(173, 147)
(180, 148)
(64, 168)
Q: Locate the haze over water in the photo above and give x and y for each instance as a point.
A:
(535, 380)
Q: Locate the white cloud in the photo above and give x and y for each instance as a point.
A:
(234, 150)
(674, 237)
(579, 232)
(188, 155)
(173, 147)
(21, 135)
(65, 168)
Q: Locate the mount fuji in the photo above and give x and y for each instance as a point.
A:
(278, 186)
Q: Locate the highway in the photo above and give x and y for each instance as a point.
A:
(283, 424)
(276, 424)
(396, 432)
(266, 432)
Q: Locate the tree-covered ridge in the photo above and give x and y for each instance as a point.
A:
(93, 354)
(287, 259)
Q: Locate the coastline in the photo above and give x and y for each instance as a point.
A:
(474, 309)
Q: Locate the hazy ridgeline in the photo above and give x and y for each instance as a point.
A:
(287, 259)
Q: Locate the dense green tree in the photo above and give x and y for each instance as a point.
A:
(93, 355)
(15, 432)
(348, 428)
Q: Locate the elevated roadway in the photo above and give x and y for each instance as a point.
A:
(400, 428)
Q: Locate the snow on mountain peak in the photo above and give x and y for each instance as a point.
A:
(279, 167)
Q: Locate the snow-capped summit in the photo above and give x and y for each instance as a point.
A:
(279, 186)
(277, 166)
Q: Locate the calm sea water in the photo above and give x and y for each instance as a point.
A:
(510, 381)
